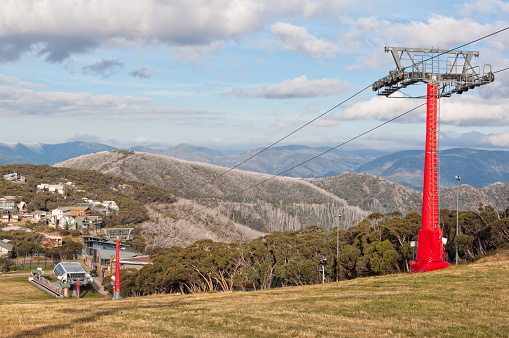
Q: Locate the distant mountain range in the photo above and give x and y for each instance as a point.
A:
(478, 168)
(268, 203)
(277, 159)
(47, 153)
(261, 201)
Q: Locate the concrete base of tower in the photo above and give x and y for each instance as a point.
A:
(421, 266)
(430, 252)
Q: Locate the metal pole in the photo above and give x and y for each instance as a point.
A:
(458, 178)
(337, 250)
(116, 293)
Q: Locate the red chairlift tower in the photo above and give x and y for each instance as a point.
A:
(445, 72)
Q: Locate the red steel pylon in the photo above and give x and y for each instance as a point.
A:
(430, 253)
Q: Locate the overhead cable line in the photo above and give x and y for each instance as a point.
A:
(463, 45)
(331, 149)
(339, 145)
(349, 98)
(293, 132)
(501, 70)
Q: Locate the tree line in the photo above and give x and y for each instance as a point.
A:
(27, 244)
(378, 245)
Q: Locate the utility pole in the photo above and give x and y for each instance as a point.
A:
(458, 178)
(116, 293)
(445, 72)
(337, 249)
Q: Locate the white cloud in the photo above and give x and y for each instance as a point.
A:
(11, 80)
(57, 29)
(146, 141)
(326, 122)
(460, 110)
(500, 140)
(194, 52)
(441, 31)
(382, 108)
(369, 36)
(297, 40)
(301, 87)
(85, 138)
(24, 102)
(469, 110)
(287, 123)
(484, 7)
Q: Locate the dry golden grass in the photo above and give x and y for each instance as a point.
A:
(498, 256)
(459, 301)
(17, 289)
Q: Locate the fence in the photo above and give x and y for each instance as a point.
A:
(30, 264)
(43, 280)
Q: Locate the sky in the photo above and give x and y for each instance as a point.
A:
(240, 74)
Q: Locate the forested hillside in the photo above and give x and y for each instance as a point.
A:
(257, 200)
(268, 203)
(142, 205)
(84, 183)
(470, 197)
(371, 193)
(379, 245)
(378, 195)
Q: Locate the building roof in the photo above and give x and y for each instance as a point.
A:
(78, 208)
(106, 254)
(52, 237)
(15, 227)
(142, 259)
(68, 267)
(6, 246)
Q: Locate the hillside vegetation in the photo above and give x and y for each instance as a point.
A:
(470, 300)
(379, 245)
(279, 204)
(84, 183)
(371, 193)
(140, 205)
(477, 167)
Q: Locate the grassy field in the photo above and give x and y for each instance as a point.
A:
(459, 301)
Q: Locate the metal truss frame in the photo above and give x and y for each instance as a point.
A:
(451, 70)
